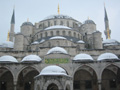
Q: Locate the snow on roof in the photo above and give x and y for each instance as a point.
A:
(58, 37)
(7, 44)
(80, 41)
(110, 42)
(58, 17)
(8, 58)
(53, 70)
(33, 58)
(82, 57)
(42, 40)
(36, 42)
(57, 50)
(107, 56)
(57, 27)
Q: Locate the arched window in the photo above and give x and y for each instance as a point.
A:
(63, 33)
(54, 22)
(61, 22)
(58, 33)
(51, 33)
(73, 24)
(46, 34)
(68, 23)
(40, 26)
(69, 33)
(41, 35)
(48, 23)
(74, 34)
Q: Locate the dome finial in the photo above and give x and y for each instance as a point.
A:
(88, 18)
(27, 19)
(58, 9)
(8, 36)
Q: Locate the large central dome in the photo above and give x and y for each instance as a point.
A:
(58, 17)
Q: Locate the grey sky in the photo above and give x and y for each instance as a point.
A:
(37, 10)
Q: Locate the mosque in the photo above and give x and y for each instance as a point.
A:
(59, 53)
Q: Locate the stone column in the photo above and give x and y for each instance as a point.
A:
(99, 84)
(15, 85)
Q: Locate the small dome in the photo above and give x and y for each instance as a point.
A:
(57, 27)
(53, 70)
(31, 58)
(89, 22)
(83, 57)
(107, 56)
(8, 58)
(7, 44)
(80, 41)
(110, 42)
(58, 37)
(58, 17)
(57, 50)
(27, 23)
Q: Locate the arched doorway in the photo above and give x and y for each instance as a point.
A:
(52, 87)
(67, 87)
(111, 78)
(85, 79)
(26, 78)
(6, 79)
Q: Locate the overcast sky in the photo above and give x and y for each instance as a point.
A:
(37, 10)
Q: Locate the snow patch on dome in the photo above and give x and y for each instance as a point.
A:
(8, 58)
(53, 70)
(110, 42)
(57, 37)
(80, 41)
(33, 58)
(42, 40)
(107, 56)
(83, 57)
(7, 44)
(57, 27)
(57, 50)
(36, 42)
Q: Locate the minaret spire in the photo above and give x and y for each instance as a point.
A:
(58, 9)
(12, 27)
(107, 30)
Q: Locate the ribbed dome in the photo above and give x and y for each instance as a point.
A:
(7, 44)
(8, 58)
(57, 50)
(107, 56)
(27, 23)
(110, 42)
(31, 58)
(53, 70)
(89, 22)
(83, 57)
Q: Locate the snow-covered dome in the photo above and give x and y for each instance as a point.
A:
(60, 16)
(57, 50)
(110, 42)
(107, 56)
(31, 58)
(27, 23)
(83, 57)
(58, 37)
(53, 70)
(8, 58)
(7, 44)
(80, 41)
(57, 27)
(89, 22)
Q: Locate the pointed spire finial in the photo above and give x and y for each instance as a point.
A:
(27, 19)
(8, 36)
(88, 18)
(13, 17)
(58, 9)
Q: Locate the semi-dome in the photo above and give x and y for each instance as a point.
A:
(107, 56)
(57, 50)
(31, 58)
(110, 42)
(8, 58)
(83, 57)
(27, 23)
(53, 70)
(57, 37)
(7, 44)
(89, 22)
(57, 27)
(60, 16)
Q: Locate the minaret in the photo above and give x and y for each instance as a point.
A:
(8, 36)
(107, 30)
(12, 27)
(58, 9)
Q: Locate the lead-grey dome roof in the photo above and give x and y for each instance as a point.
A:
(27, 23)
(89, 22)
